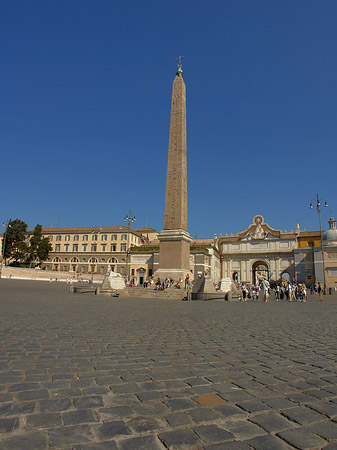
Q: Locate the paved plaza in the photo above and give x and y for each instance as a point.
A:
(86, 372)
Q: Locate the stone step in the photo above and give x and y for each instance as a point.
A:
(139, 292)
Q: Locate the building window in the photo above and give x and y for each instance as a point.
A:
(112, 247)
(123, 248)
(332, 272)
(85, 237)
(76, 237)
(58, 238)
(67, 238)
(66, 248)
(114, 237)
(124, 237)
(103, 247)
(94, 237)
(50, 238)
(75, 248)
(104, 237)
(57, 248)
(84, 247)
(94, 247)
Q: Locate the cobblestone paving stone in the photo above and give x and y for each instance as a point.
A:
(79, 372)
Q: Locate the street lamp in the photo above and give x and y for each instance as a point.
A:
(129, 218)
(4, 244)
(318, 208)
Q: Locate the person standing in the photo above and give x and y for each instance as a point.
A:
(244, 293)
(304, 293)
(277, 293)
(265, 290)
(320, 292)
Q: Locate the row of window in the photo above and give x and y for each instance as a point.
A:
(94, 237)
(93, 248)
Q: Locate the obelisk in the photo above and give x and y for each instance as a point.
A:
(174, 250)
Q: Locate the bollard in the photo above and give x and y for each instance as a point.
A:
(98, 290)
(229, 296)
(72, 289)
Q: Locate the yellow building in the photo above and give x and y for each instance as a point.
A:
(90, 250)
(309, 239)
(315, 263)
(308, 242)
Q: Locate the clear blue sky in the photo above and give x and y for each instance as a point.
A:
(85, 90)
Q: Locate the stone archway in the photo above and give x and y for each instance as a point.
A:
(285, 277)
(74, 264)
(235, 277)
(92, 265)
(56, 263)
(260, 270)
(113, 264)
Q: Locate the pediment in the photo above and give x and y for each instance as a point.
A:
(258, 230)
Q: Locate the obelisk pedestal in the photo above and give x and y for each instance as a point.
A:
(174, 254)
(174, 250)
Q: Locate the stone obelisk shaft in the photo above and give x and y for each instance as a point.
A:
(176, 180)
(174, 250)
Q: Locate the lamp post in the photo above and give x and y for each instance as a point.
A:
(318, 208)
(129, 218)
(4, 244)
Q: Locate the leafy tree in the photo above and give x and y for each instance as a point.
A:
(19, 252)
(14, 240)
(35, 242)
(39, 247)
(43, 250)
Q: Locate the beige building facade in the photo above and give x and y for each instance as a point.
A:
(91, 250)
(259, 251)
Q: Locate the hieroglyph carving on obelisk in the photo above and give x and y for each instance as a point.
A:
(176, 179)
(174, 249)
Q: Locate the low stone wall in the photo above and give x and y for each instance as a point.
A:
(17, 273)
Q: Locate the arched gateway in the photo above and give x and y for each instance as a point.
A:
(260, 270)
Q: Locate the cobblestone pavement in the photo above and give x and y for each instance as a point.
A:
(85, 372)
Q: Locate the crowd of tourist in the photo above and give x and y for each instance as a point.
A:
(161, 285)
(291, 292)
(284, 291)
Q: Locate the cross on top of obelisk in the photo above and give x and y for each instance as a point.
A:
(180, 70)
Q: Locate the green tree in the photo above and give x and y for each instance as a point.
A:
(43, 250)
(39, 246)
(19, 252)
(14, 240)
(35, 242)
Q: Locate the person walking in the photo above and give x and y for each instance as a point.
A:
(320, 292)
